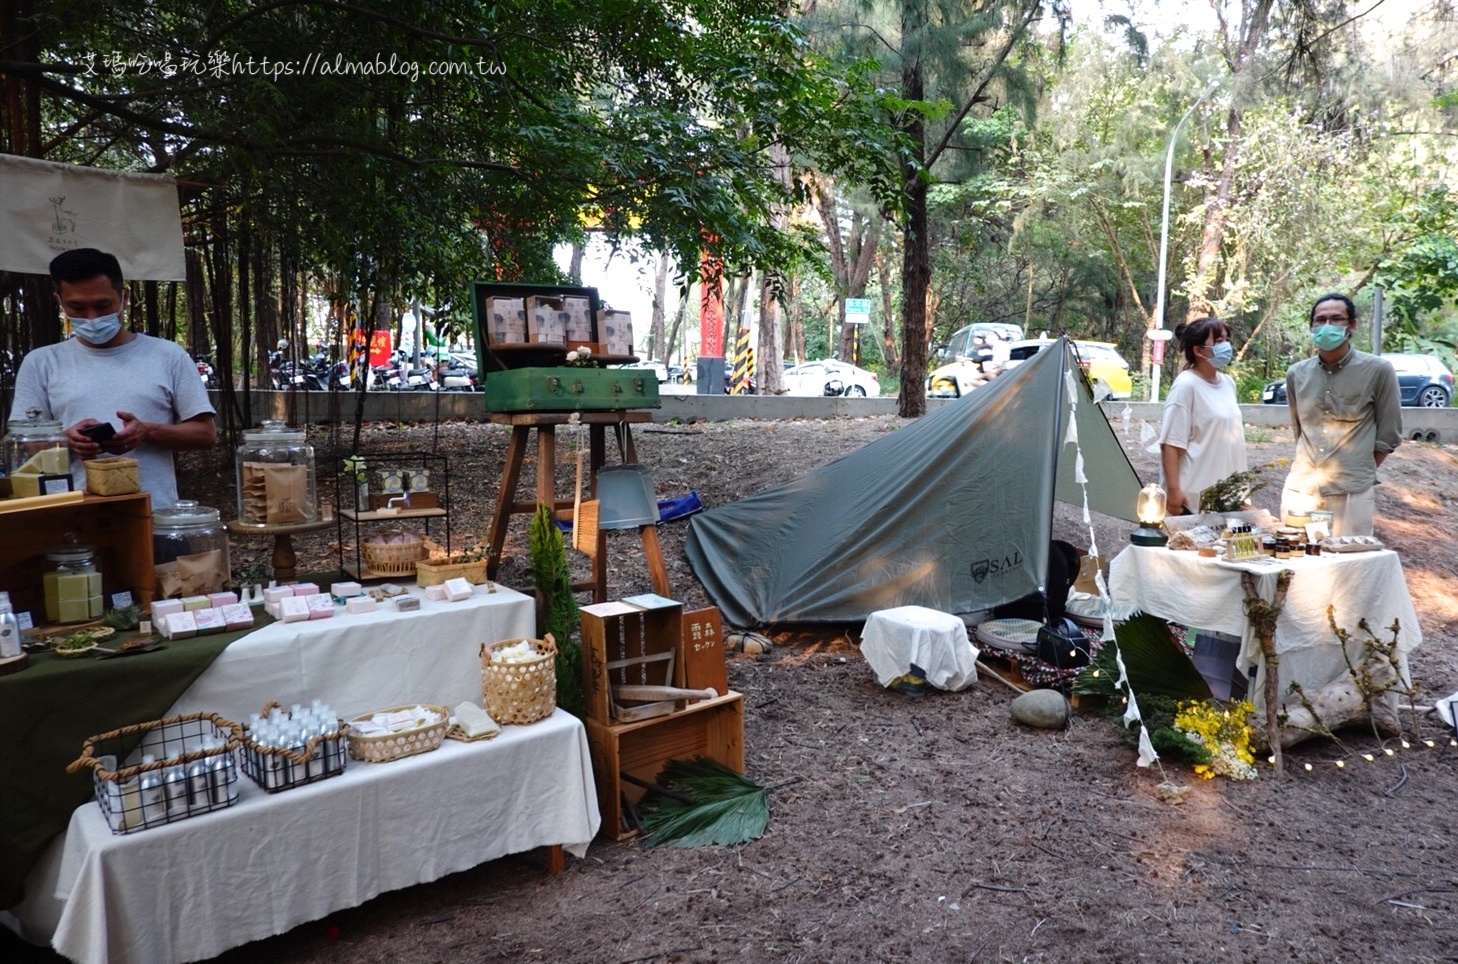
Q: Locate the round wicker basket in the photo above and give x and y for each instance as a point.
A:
(393, 558)
(519, 692)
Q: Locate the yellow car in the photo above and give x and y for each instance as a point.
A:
(1105, 368)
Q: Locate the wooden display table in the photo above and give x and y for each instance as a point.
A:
(545, 425)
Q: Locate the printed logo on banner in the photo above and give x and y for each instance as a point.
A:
(983, 568)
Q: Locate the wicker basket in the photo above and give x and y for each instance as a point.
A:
(436, 573)
(115, 476)
(394, 746)
(519, 692)
(393, 559)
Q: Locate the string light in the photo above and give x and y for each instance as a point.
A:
(1406, 745)
(1388, 750)
(1308, 767)
(1368, 757)
(1341, 764)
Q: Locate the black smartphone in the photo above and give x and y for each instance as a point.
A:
(99, 432)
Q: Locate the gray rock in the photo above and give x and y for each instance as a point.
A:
(1046, 709)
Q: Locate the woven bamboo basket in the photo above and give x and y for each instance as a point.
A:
(393, 559)
(117, 476)
(436, 573)
(519, 692)
(394, 746)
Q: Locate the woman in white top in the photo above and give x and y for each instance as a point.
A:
(1202, 439)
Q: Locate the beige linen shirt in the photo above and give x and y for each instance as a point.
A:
(1342, 415)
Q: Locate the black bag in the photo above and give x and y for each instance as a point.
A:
(1062, 644)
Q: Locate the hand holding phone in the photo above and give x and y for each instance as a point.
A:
(98, 433)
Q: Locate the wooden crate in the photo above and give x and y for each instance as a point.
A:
(612, 630)
(120, 527)
(710, 728)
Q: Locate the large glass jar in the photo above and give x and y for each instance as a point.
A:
(276, 483)
(72, 585)
(189, 549)
(37, 443)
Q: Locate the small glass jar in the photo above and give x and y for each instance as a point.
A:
(72, 585)
(188, 529)
(276, 483)
(38, 443)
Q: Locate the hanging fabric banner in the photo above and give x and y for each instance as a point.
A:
(47, 208)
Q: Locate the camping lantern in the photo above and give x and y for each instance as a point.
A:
(1150, 509)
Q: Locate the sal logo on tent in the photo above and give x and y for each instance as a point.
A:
(983, 568)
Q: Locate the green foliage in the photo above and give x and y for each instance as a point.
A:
(553, 579)
(1232, 493)
(1155, 663)
(728, 808)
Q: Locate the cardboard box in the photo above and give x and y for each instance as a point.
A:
(506, 321)
(579, 321)
(615, 331)
(546, 321)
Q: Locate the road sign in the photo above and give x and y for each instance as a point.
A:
(858, 306)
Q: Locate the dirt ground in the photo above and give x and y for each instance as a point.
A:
(937, 829)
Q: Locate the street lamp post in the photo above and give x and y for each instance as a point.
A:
(1164, 238)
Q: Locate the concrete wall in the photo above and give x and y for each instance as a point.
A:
(1434, 425)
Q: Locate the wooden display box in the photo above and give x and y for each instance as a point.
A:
(710, 728)
(119, 527)
(616, 630)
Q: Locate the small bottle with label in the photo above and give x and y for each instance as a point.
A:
(9, 629)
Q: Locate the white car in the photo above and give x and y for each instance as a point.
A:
(831, 377)
(659, 370)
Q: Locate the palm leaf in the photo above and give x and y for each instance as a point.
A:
(1156, 664)
(729, 808)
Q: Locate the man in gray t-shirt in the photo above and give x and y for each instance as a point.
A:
(147, 388)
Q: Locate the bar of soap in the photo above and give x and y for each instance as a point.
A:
(435, 593)
(360, 604)
(220, 600)
(305, 589)
(194, 603)
(458, 588)
(345, 590)
(320, 606)
(475, 721)
(407, 604)
(274, 594)
(274, 609)
(294, 609)
(238, 616)
(181, 625)
(210, 621)
(165, 607)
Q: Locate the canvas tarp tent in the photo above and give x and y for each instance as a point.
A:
(953, 511)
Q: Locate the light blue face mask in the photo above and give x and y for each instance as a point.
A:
(1221, 354)
(1329, 337)
(96, 331)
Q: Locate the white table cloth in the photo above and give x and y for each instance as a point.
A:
(1192, 590)
(937, 642)
(190, 890)
(363, 662)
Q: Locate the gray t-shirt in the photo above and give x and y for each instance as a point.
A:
(153, 379)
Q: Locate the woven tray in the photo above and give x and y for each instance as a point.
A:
(519, 692)
(436, 573)
(1017, 635)
(395, 746)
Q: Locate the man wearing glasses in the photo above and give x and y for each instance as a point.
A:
(1347, 416)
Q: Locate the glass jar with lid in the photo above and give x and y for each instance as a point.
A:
(37, 445)
(276, 484)
(72, 584)
(193, 535)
